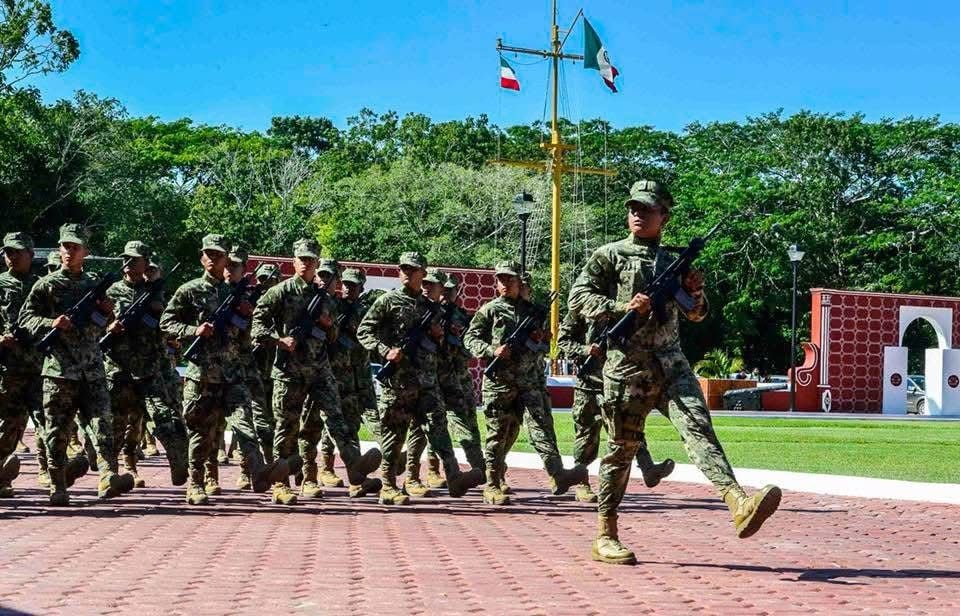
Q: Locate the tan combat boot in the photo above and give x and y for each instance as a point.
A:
(370, 485)
(243, 481)
(434, 479)
(653, 475)
(43, 475)
(749, 512)
(130, 465)
(211, 483)
(503, 480)
(459, 484)
(493, 495)
(389, 495)
(76, 467)
(327, 476)
(566, 478)
(310, 488)
(9, 470)
(363, 466)
(283, 495)
(22, 447)
(150, 445)
(412, 484)
(113, 484)
(585, 493)
(607, 547)
(196, 495)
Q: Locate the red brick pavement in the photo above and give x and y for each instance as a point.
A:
(148, 553)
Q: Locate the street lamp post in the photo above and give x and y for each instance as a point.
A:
(523, 206)
(795, 255)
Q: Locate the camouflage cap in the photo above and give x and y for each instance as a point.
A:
(17, 240)
(507, 268)
(53, 258)
(330, 266)
(354, 275)
(238, 254)
(266, 271)
(452, 282)
(72, 233)
(650, 193)
(435, 275)
(306, 247)
(413, 259)
(215, 241)
(136, 249)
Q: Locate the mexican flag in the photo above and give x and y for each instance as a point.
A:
(595, 56)
(508, 79)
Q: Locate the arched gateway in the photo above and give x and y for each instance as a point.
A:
(855, 361)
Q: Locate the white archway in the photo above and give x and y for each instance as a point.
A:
(895, 361)
(940, 318)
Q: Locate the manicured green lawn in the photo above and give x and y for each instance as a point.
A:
(917, 451)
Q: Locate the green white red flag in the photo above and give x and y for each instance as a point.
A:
(508, 79)
(595, 56)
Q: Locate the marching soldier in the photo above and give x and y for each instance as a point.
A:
(135, 357)
(650, 371)
(305, 395)
(215, 380)
(410, 394)
(516, 393)
(73, 374)
(579, 340)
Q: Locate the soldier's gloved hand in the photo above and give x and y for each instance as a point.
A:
(394, 355)
(8, 341)
(325, 321)
(595, 350)
(63, 322)
(640, 304)
(116, 326)
(245, 308)
(503, 351)
(289, 343)
(693, 283)
(205, 330)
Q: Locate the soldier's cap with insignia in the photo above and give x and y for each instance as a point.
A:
(435, 275)
(506, 268)
(72, 233)
(238, 254)
(215, 241)
(306, 247)
(649, 192)
(354, 275)
(330, 266)
(17, 240)
(452, 282)
(413, 259)
(136, 249)
(53, 258)
(266, 271)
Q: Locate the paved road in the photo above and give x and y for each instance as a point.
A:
(148, 553)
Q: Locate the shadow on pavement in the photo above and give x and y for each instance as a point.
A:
(829, 575)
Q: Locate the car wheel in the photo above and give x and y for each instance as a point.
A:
(921, 406)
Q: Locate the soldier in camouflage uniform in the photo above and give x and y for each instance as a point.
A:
(135, 358)
(650, 371)
(305, 395)
(19, 364)
(346, 380)
(268, 276)
(53, 262)
(457, 387)
(73, 373)
(516, 392)
(410, 395)
(579, 340)
(215, 382)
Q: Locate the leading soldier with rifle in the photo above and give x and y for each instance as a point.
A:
(68, 310)
(297, 317)
(645, 367)
(508, 333)
(403, 328)
(136, 355)
(211, 311)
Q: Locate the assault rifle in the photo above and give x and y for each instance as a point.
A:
(136, 314)
(305, 328)
(343, 340)
(668, 284)
(224, 315)
(84, 311)
(519, 338)
(415, 338)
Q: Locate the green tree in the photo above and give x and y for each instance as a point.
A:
(31, 44)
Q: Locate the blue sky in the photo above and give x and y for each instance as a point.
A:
(241, 62)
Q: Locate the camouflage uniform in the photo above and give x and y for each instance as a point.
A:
(73, 375)
(650, 371)
(20, 384)
(305, 395)
(215, 384)
(411, 394)
(267, 276)
(134, 362)
(515, 394)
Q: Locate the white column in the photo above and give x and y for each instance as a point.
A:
(895, 380)
(943, 381)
